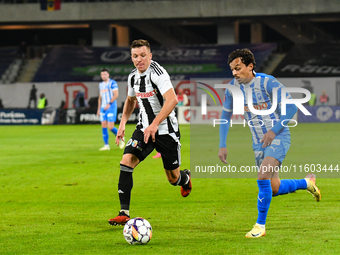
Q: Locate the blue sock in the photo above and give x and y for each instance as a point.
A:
(291, 185)
(114, 130)
(263, 200)
(105, 135)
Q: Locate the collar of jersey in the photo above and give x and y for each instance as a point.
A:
(249, 83)
(145, 73)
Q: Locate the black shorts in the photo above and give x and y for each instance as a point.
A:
(168, 145)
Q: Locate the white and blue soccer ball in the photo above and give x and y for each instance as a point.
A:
(137, 231)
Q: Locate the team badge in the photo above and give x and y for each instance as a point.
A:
(134, 143)
(259, 97)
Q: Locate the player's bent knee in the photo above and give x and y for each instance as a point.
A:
(110, 125)
(173, 180)
(275, 183)
(274, 191)
(173, 176)
(129, 160)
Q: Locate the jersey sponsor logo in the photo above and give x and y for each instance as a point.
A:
(262, 106)
(104, 90)
(276, 141)
(146, 94)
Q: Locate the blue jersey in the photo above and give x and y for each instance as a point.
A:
(262, 92)
(107, 90)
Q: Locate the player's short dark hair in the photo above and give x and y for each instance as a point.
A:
(140, 43)
(105, 70)
(245, 54)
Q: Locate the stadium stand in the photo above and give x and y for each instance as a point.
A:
(84, 63)
(9, 65)
(310, 60)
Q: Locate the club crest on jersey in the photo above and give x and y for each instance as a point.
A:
(134, 143)
(259, 96)
(262, 106)
(146, 94)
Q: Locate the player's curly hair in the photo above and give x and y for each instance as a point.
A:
(245, 54)
(140, 43)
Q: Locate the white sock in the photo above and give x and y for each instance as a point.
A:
(306, 183)
(125, 211)
(261, 225)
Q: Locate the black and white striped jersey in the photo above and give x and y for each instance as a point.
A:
(149, 88)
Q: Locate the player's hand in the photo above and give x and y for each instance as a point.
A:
(222, 155)
(120, 134)
(107, 106)
(98, 112)
(150, 131)
(268, 138)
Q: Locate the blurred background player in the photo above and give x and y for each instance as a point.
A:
(149, 84)
(107, 107)
(271, 140)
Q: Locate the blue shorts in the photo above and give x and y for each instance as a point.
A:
(278, 149)
(110, 115)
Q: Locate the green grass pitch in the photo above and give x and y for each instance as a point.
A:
(57, 192)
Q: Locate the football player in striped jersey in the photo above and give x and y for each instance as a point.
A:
(270, 134)
(149, 85)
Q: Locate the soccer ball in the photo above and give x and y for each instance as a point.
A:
(137, 231)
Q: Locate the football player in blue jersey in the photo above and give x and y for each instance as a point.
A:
(107, 107)
(270, 134)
